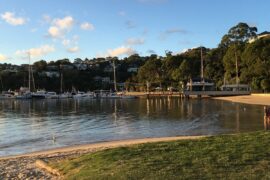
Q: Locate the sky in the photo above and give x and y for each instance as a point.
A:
(58, 29)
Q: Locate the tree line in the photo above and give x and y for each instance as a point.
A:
(235, 59)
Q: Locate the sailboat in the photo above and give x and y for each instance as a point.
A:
(201, 83)
(24, 92)
(117, 94)
(61, 94)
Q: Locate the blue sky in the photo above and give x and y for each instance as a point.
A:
(56, 29)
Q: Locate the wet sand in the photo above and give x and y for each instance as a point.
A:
(23, 166)
(258, 99)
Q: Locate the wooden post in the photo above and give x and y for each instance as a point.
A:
(266, 118)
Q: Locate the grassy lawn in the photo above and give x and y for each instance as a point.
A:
(243, 156)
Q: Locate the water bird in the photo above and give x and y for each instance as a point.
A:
(53, 138)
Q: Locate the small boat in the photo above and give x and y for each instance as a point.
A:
(24, 93)
(40, 94)
(81, 94)
(64, 96)
(7, 95)
(51, 95)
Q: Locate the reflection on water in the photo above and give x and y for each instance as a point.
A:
(27, 126)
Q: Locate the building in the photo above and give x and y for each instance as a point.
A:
(106, 80)
(132, 69)
(50, 74)
(81, 66)
(199, 84)
(235, 87)
(260, 36)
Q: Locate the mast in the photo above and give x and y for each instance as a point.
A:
(29, 71)
(114, 76)
(33, 79)
(236, 67)
(202, 74)
(61, 81)
(202, 70)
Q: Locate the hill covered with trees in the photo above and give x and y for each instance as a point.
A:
(242, 56)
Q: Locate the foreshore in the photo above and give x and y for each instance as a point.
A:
(23, 166)
(256, 99)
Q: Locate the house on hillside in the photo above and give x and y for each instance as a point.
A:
(81, 66)
(67, 66)
(52, 67)
(260, 36)
(132, 69)
(50, 74)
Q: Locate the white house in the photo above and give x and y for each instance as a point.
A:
(132, 69)
(81, 66)
(259, 36)
(50, 74)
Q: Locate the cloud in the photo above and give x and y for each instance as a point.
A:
(120, 51)
(46, 18)
(2, 57)
(73, 49)
(60, 27)
(55, 32)
(176, 30)
(123, 50)
(172, 31)
(36, 52)
(135, 41)
(10, 18)
(66, 42)
(130, 24)
(150, 51)
(71, 45)
(122, 13)
(65, 23)
(87, 26)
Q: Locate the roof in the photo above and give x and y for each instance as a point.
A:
(198, 79)
(264, 33)
(235, 85)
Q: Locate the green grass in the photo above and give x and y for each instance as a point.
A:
(243, 156)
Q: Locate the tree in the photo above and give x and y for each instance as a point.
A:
(214, 68)
(240, 33)
(40, 65)
(150, 71)
(265, 84)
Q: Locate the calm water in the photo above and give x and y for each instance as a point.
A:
(27, 126)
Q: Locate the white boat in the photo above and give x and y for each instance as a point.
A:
(40, 94)
(24, 93)
(51, 95)
(81, 94)
(7, 95)
(64, 96)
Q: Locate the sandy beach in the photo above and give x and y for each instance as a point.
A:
(258, 99)
(24, 167)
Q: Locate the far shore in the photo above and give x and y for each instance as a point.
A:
(256, 99)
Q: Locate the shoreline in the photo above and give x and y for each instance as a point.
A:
(100, 146)
(254, 99)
